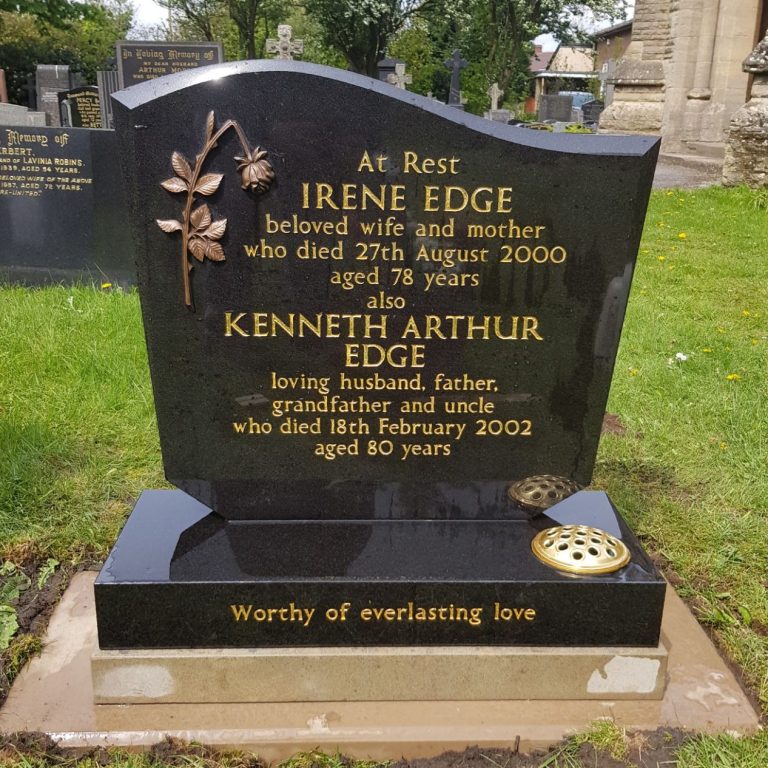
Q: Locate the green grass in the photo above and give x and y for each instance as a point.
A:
(724, 752)
(78, 440)
(77, 429)
(690, 473)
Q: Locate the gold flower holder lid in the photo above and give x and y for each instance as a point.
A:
(580, 549)
(540, 492)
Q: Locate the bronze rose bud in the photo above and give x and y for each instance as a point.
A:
(255, 171)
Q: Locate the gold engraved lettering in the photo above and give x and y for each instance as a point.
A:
(441, 165)
(502, 613)
(365, 163)
(297, 325)
(507, 230)
(417, 613)
(453, 199)
(530, 324)
(230, 324)
(352, 197)
(374, 355)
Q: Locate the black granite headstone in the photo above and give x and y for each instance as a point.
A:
(80, 107)
(107, 85)
(367, 315)
(139, 61)
(62, 207)
(387, 67)
(51, 79)
(591, 111)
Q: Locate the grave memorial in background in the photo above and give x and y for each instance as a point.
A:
(284, 47)
(399, 78)
(495, 113)
(455, 64)
(380, 368)
(62, 207)
(50, 81)
(139, 61)
(80, 107)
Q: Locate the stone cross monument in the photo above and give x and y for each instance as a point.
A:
(495, 93)
(399, 79)
(496, 114)
(746, 149)
(455, 64)
(284, 47)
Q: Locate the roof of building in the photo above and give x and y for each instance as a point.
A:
(616, 29)
(570, 59)
(540, 60)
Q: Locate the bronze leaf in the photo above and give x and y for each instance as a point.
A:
(209, 183)
(175, 184)
(214, 252)
(200, 217)
(209, 126)
(216, 230)
(181, 166)
(169, 225)
(197, 247)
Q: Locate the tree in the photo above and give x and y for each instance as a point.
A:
(415, 46)
(361, 29)
(54, 13)
(501, 31)
(199, 16)
(495, 36)
(85, 46)
(249, 21)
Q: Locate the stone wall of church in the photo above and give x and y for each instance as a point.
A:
(704, 81)
(681, 76)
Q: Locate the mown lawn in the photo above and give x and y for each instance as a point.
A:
(78, 440)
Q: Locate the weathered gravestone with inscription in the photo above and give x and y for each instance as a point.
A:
(62, 207)
(80, 107)
(381, 334)
(139, 61)
(50, 80)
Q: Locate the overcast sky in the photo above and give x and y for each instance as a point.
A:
(149, 12)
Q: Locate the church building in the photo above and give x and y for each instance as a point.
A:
(681, 75)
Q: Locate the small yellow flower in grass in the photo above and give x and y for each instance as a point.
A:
(682, 235)
(661, 258)
(755, 342)
(643, 292)
(670, 193)
(633, 371)
(723, 445)
(745, 313)
(707, 349)
(106, 285)
(733, 377)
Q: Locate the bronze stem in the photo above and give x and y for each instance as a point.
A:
(186, 266)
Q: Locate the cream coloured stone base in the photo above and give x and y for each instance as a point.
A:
(377, 674)
(54, 694)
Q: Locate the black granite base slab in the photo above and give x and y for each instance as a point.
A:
(180, 576)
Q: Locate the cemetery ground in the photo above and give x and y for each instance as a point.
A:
(683, 456)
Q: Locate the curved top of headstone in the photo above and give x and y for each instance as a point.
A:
(757, 61)
(136, 95)
(359, 303)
